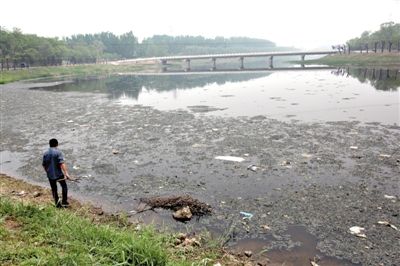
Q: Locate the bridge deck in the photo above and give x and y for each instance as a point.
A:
(234, 55)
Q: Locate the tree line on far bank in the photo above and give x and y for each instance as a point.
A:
(17, 47)
(388, 36)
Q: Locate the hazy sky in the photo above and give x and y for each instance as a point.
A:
(302, 23)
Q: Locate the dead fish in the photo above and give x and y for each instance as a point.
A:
(388, 224)
(358, 231)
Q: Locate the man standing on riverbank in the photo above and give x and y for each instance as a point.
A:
(54, 165)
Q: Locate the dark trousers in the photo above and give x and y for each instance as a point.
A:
(53, 184)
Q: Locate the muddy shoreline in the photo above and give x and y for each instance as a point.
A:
(326, 177)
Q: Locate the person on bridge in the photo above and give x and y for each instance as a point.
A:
(54, 165)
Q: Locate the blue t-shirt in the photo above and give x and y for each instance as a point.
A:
(52, 159)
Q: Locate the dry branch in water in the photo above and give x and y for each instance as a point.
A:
(177, 202)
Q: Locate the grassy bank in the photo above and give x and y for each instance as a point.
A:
(77, 70)
(47, 236)
(370, 59)
(34, 232)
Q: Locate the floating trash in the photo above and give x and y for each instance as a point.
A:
(248, 253)
(314, 261)
(230, 158)
(183, 214)
(21, 193)
(246, 215)
(265, 227)
(252, 167)
(353, 148)
(389, 197)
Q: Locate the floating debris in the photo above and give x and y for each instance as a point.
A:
(286, 164)
(230, 158)
(314, 261)
(353, 148)
(389, 197)
(178, 202)
(248, 253)
(183, 214)
(21, 193)
(265, 227)
(306, 155)
(385, 155)
(115, 151)
(358, 231)
(388, 224)
(198, 145)
(187, 240)
(246, 215)
(252, 167)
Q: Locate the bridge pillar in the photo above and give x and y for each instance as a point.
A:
(214, 60)
(271, 61)
(164, 65)
(302, 57)
(188, 64)
(241, 62)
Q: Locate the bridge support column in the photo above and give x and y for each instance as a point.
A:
(164, 65)
(303, 56)
(188, 64)
(271, 61)
(214, 60)
(241, 62)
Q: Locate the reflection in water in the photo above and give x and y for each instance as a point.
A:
(380, 79)
(369, 95)
(131, 86)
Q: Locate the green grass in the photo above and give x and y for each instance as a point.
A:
(44, 235)
(370, 59)
(8, 76)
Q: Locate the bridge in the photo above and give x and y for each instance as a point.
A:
(241, 56)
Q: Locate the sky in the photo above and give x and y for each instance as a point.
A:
(307, 24)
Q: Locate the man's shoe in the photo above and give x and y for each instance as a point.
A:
(65, 204)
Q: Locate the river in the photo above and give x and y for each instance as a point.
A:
(311, 141)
